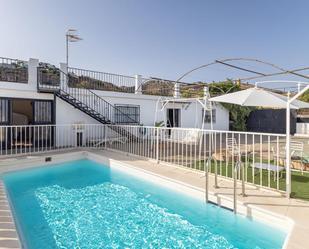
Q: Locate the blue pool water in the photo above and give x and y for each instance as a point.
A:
(82, 204)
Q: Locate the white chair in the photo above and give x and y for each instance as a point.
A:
(236, 150)
(297, 153)
(97, 142)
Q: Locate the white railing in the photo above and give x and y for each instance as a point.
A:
(101, 80)
(261, 154)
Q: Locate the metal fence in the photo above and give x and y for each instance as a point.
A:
(12, 70)
(158, 87)
(100, 80)
(262, 155)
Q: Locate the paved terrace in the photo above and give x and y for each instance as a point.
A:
(273, 201)
(8, 233)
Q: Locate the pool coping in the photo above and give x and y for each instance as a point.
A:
(107, 157)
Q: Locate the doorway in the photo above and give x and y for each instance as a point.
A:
(173, 117)
(20, 120)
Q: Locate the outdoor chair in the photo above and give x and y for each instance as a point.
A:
(235, 150)
(297, 154)
(98, 142)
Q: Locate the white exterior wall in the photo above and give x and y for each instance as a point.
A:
(195, 110)
(67, 114)
(146, 103)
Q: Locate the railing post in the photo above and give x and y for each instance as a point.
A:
(157, 144)
(33, 72)
(235, 188)
(207, 179)
(138, 82)
(216, 174)
(243, 179)
(105, 137)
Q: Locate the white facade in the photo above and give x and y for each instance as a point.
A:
(190, 114)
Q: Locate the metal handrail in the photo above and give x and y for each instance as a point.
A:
(92, 71)
(104, 81)
(98, 98)
(86, 96)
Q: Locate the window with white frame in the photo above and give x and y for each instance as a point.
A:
(208, 113)
(127, 114)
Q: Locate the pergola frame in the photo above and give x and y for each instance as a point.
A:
(164, 101)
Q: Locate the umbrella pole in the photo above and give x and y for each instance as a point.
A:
(287, 148)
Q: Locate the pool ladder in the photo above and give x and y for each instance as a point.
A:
(238, 166)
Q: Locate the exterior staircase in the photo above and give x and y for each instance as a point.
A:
(87, 101)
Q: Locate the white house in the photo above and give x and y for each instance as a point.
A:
(32, 93)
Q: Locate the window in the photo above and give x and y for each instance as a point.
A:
(208, 117)
(127, 114)
(42, 112)
(4, 111)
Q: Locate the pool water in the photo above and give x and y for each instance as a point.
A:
(83, 204)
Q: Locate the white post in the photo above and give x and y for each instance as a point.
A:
(138, 82)
(206, 92)
(33, 72)
(288, 139)
(63, 77)
(157, 143)
(176, 90)
(287, 148)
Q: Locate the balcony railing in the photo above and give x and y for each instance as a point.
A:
(48, 75)
(12, 70)
(100, 80)
(158, 87)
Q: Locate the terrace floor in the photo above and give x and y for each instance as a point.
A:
(273, 201)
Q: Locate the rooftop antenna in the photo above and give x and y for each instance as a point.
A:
(70, 36)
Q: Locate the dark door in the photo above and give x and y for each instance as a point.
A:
(173, 117)
(5, 117)
(43, 136)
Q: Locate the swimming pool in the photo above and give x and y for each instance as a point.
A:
(84, 204)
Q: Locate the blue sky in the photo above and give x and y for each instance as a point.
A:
(162, 38)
